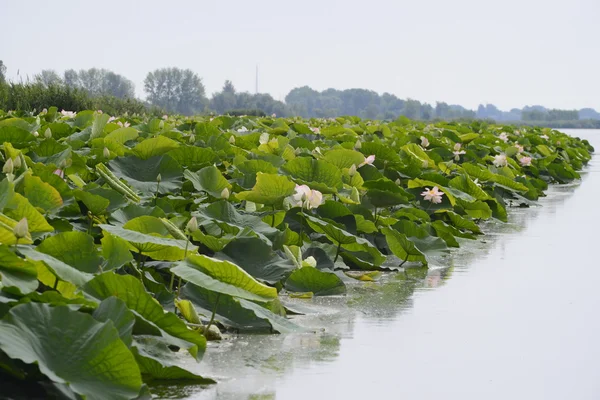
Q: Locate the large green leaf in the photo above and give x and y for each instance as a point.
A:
(208, 179)
(236, 312)
(16, 272)
(320, 283)
(73, 248)
(41, 194)
(270, 189)
(257, 258)
(153, 147)
(73, 349)
(402, 247)
(122, 135)
(317, 174)
(345, 239)
(145, 242)
(115, 251)
(142, 173)
(344, 158)
(223, 277)
(63, 271)
(385, 193)
(193, 157)
(165, 324)
(115, 310)
(19, 207)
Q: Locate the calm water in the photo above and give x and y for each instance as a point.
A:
(513, 316)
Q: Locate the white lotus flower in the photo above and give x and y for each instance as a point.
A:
(434, 195)
(264, 138)
(242, 129)
(309, 262)
(500, 160)
(165, 117)
(520, 148)
(458, 153)
(68, 114)
(544, 137)
(504, 137)
(306, 198)
(424, 142)
(315, 130)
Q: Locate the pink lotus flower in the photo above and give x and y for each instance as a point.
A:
(525, 161)
(369, 160)
(434, 195)
(520, 148)
(315, 130)
(59, 172)
(458, 153)
(504, 137)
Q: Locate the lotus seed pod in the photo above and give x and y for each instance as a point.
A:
(192, 225)
(21, 229)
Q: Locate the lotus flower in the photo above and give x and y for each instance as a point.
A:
(192, 225)
(165, 117)
(500, 160)
(69, 114)
(369, 160)
(525, 161)
(242, 129)
(307, 198)
(315, 130)
(457, 154)
(544, 137)
(520, 148)
(434, 195)
(59, 172)
(504, 137)
(21, 229)
(424, 142)
(123, 125)
(225, 193)
(264, 138)
(273, 115)
(8, 167)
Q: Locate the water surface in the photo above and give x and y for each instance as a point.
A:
(510, 316)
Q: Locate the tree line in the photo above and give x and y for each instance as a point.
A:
(177, 90)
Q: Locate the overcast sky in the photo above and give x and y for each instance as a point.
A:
(510, 52)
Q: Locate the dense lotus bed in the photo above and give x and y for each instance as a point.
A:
(124, 240)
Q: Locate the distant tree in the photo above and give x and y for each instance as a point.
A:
(225, 99)
(48, 77)
(99, 82)
(412, 109)
(176, 90)
(589, 113)
(2, 72)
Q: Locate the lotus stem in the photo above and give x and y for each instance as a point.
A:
(337, 253)
(404, 261)
(212, 317)
(273, 217)
(187, 242)
(56, 284)
(156, 194)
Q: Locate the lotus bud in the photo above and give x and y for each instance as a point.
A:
(192, 138)
(48, 133)
(309, 262)
(106, 152)
(192, 225)
(8, 167)
(358, 144)
(354, 195)
(21, 229)
(225, 193)
(352, 170)
(398, 181)
(158, 178)
(36, 134)
(17, 162)
(232, 139)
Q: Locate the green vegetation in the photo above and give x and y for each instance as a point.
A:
(124, 240)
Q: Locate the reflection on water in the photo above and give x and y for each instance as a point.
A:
(495, 319)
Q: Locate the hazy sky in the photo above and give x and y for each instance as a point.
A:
(510, 53)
